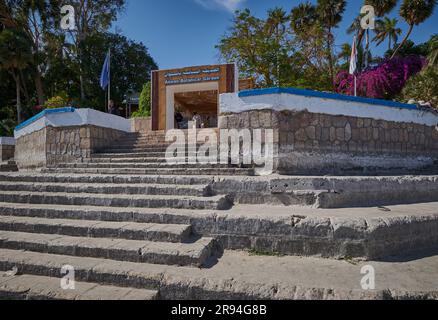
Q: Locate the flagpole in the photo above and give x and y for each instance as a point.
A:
(355, 85)
(109, 75)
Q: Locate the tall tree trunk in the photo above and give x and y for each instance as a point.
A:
(18, 91)
(81, 80)
(411, 27)
(24, 86)
(330, 57)
(39, 88)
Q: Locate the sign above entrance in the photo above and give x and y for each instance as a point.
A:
(192, 76)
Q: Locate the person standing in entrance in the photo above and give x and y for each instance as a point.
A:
(112, 108)
(178, 119)
(197, 120)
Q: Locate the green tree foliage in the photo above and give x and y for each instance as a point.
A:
(15, 56)
(131, 66)
(414, 12)
(286, 50)
(423, 87)
(433, 51)
(46, 60)
(330, 15)
(387, 29)
(91, 18)
(259, 47)
(145, 102)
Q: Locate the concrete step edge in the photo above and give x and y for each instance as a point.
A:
(32, 287)
(165, 253)
(80, 199)
(97, 229)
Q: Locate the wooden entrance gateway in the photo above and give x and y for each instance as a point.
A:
(190, 90)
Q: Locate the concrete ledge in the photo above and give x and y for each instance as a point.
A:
(7, 141)
(291, 99)
(365, 233)
(329, 192)
(70, 117)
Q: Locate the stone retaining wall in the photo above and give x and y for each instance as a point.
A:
(312, 143)
(50, 146)
(6, 152)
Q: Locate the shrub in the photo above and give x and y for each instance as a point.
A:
(59, 101)
(422, 87)
(382, 82)
(144, 108)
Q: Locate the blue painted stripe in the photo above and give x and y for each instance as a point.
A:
(326, 95)
(42, 114)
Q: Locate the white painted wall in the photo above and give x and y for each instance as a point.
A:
(7, 141)
(81, 117)
(232, 103)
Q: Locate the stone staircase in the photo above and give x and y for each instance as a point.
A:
(135, 227)
(108, 218)
(144, 153)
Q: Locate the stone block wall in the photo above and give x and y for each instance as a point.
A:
(30, 150)
(50, 146)
(311, 143)
(141, 124)
(6, 152)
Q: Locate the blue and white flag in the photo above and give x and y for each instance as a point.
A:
(104, 77)
(353, 58)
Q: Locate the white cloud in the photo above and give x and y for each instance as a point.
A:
(229, 5)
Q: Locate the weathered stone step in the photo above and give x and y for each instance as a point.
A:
(145, 155)
(182, 254)
(109, 159)
(109, 179)
(139, 165)
(128, 149)
(98, 229)
(188, 171)
(263, 278)
(30, 287)
(142, 141)
(148, 160)
(140, 189)
(140, 201)
(111, 214)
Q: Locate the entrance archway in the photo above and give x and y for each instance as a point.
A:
(168, 83)
(172, 91)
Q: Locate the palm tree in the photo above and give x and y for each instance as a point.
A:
(414, 12)
(303, 17)
(330, 15)
(387, 29)
(355, 27)
(381, 8)
(275, 23)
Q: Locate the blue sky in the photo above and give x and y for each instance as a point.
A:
(181, 33)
